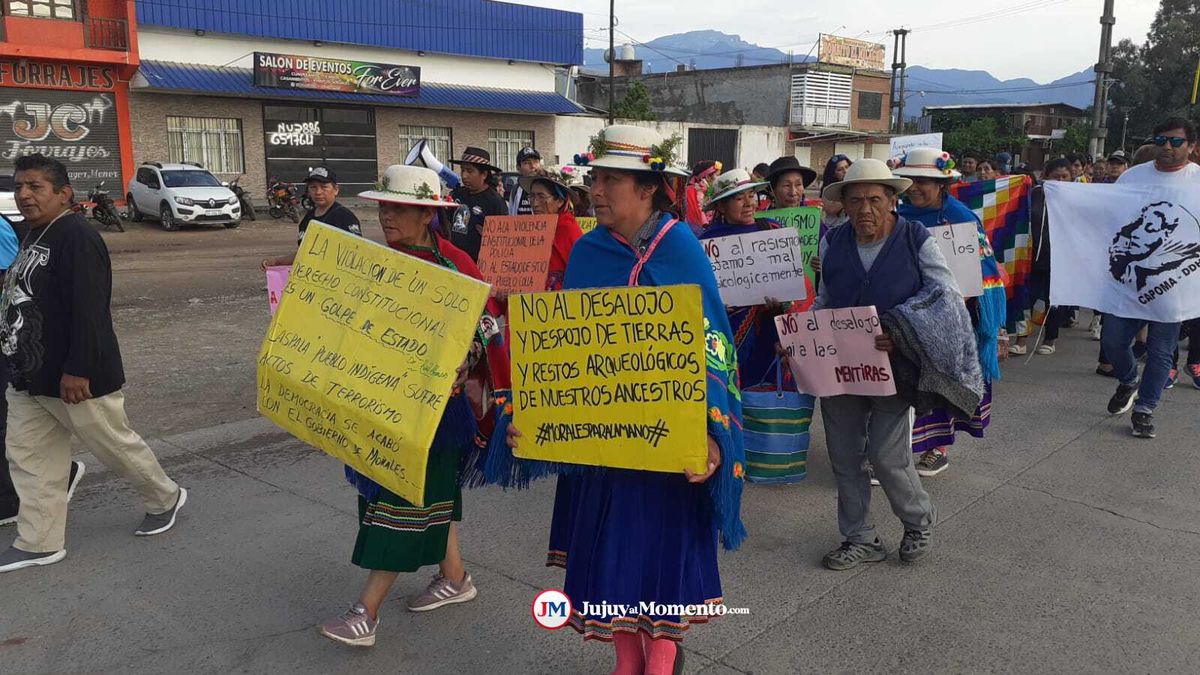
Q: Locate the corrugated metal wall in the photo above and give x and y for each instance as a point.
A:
(464, 27)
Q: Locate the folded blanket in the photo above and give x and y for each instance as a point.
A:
(936, 360)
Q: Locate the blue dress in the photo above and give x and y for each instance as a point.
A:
(626, 536)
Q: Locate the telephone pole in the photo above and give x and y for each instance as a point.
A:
(612, 59)
(1104, 69)
(899, 52)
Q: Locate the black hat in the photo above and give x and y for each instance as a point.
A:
(528, 153)
(320, 174)
(790, 163)
(477, 156)
(1118, 156)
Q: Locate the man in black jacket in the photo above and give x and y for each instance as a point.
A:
(66, 375)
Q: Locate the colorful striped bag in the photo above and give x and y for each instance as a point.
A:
(776, 431)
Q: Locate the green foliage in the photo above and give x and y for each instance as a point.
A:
(1075, 142)
(1154, 79)
(635, 105)
(984, 135)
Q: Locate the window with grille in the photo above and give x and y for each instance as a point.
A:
(46, 9)
(440, 141)
(214, 142)
(504, 144)
(870, 105)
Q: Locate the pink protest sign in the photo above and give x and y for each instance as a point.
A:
(832, 352)
(276, 281)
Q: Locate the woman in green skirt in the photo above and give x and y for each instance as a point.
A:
(395, 535)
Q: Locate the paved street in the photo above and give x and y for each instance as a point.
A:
(1064, 544)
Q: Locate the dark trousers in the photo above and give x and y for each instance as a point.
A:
(8, 494)
(1056, 317)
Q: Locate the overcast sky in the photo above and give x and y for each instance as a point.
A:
(1049, 39)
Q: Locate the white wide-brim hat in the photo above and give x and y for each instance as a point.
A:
(411, 185)
(927, 163)
(730, 183)
(564, 176)
(629, 148)
(866, 171)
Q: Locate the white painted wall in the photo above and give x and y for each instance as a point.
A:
(881, 151)
(803, 154)
(855, 151)
(755, 143)
(156, 44)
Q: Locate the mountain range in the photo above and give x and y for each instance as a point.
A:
(706, 49)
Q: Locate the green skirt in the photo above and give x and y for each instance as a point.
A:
(395, 535)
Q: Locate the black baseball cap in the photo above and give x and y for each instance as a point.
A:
(321, 174)
(528, 153)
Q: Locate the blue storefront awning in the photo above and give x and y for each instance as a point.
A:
(224, 81)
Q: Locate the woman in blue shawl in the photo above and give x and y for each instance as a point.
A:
(929, 202)
(777, 416)
(627, 536)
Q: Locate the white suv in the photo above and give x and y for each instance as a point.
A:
(8, 200)
(181, 193)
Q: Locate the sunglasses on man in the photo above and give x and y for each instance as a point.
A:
(1175, 141)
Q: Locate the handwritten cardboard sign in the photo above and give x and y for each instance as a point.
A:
(807, 221)
(586, 223)
(276, 281)
(360, 357)
(611, 377)
(902, 144)
(514, 255)
(753, 267)
(832, 352)
(960, 246)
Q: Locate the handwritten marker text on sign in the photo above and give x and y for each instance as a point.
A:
(752, 267)
(832, 352)
(807, 221)
(959, 243)
(514, 255)
(611, 377)
(360, 358)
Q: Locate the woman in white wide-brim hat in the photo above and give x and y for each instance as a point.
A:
(395, 535)
(930, 203)
(733, 199)
(625, 535)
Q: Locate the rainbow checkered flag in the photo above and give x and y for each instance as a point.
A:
(1003, 205)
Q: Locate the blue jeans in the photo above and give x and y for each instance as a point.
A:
(1117, 342)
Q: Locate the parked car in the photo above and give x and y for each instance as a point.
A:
(181, 193)
(8, 199)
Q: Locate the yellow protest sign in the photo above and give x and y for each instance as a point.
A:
(611, 377)
(361, 355)
(586, 223)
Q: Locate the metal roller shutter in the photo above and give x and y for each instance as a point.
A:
(298, 138)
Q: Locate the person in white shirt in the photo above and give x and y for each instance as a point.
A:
(1175, 140)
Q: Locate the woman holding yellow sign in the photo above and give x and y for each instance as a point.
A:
(628, 537)
(395, 535)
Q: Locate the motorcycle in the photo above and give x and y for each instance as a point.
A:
(104, 211)
(283, 199)
(243, 198)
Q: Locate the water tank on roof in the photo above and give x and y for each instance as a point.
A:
(625, 53)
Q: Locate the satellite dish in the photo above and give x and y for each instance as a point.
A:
(608, 56)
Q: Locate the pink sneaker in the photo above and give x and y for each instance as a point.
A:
(353, 627)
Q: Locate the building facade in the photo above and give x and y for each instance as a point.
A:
(815, 109)
(349, 85)
(65, 67)
(1042, 124)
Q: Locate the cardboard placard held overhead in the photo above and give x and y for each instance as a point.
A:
(360, 357)
(959, 243)
(611, 377)
(514, 255)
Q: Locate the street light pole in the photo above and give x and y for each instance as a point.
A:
(1124, 130)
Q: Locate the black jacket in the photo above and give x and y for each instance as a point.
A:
(57, 318)
(466, 228)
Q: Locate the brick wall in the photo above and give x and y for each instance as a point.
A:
(148, 114)
(869, 83)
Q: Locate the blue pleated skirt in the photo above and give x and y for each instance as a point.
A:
(627, 537)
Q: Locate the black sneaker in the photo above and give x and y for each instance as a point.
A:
(1143, 425)
(916, 545)
(76, 475)
(1122, 401)
(15, 559)
(850, 555)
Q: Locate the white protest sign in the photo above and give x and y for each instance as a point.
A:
(902, 144)
(1128, 250)
(752, 267)
(960, 246)
(832, 352)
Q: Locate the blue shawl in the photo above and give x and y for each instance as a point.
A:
(602, 260)
(993, 305)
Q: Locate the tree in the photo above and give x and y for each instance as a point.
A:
(983, 135)
(636, 104)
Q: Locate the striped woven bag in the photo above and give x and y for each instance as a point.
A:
(776, 431)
